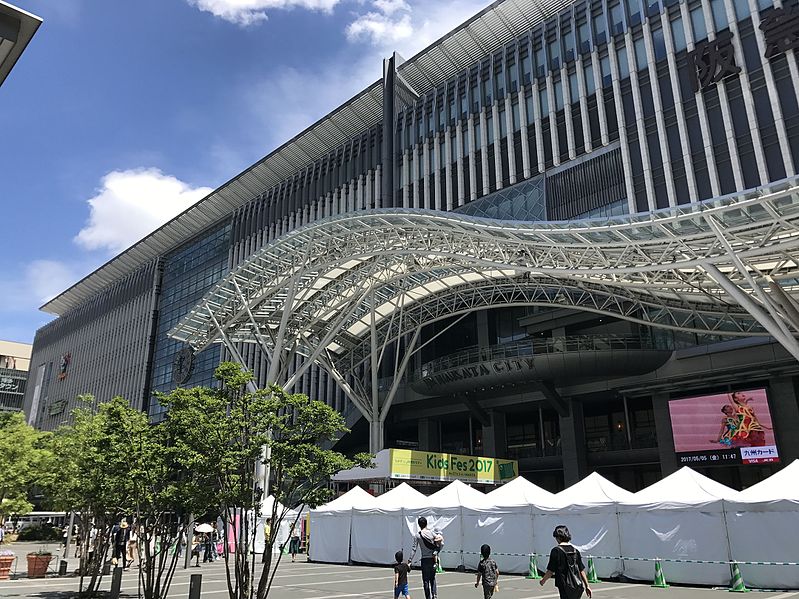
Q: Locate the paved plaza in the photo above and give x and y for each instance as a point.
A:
(303, 580)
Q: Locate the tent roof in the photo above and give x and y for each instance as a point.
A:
(402, 496)
(784, 484)
(685, 487)
(382, 469)
(355, 498)
(593, 490)
(266, 507)
(456, 494)
(520, 491)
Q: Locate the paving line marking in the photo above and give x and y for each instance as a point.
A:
(785, 596)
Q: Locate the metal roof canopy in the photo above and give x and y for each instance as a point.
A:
(17, 27)
(486, 32)
(340, 290)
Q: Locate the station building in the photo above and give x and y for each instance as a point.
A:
(523, 242)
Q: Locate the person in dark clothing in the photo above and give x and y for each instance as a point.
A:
(487, 573)
(565, 562)
(430, 544)
(401, 571)
(120, 536)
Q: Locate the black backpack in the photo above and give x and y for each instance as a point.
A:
(572, 582)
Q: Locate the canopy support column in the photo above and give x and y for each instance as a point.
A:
(747, 303)
(375, 421)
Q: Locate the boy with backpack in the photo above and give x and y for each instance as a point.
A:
(401, 571)
(566, 565)
(488, 571)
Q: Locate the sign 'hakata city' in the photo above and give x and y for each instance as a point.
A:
(430, 465)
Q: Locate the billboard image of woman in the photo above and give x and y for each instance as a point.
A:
(727, 427)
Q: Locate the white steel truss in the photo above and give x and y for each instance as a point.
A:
(339, 291)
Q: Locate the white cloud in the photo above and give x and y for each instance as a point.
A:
(250, 12)
(409, 26)
(132, 203)
(381, 27)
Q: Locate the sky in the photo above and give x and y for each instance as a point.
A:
(121, 114)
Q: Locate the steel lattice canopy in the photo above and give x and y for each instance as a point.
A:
(398, 269)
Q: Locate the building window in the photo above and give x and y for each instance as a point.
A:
(600, 32)
(584, 37)
(590, 84)
(678, 34)
(604, 67)
(658, 44)
(640, 54)
(624, 64)
(543, 98)
(617, 19)
(698, 24)
(719, 14)
(554, 55)
(741, 9)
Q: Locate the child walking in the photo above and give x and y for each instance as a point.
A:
(489, 572)
(401, 570)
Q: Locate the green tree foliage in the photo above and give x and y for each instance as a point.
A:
(114, 464)
(219, 434)
(24, 456)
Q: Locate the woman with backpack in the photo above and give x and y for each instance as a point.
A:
(566, 565)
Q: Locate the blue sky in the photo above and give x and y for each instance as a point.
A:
(120, 114)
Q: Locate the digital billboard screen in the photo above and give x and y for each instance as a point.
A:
(723, 429)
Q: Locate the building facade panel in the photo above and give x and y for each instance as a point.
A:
(606, 108)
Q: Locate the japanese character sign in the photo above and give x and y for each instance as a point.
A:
(713, 60)
(780, 31)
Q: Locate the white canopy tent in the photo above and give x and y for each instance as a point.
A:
(285, 525)
(504, 520)
(589, 509)
(331, 526)
(380, 531)
(445, 513)
(762, 523)
(681, 517)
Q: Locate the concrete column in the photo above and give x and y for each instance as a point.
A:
(668, 458)
(495, 437)
(572, 442)
(785, 416)
(429, 438)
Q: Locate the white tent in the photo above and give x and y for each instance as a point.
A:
(504, 520)
(681, 517)
(380, 531)
(589, 509)
(285, 525)
(445, 513)
(331, 525)
(762, 526)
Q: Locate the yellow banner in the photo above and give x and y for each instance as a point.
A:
(431, 465)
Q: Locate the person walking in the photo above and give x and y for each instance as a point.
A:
(215, 539)
(401, 571)
(566, 565)
(119, 537)
(430, 544)
(133, 546)
(487, 573)
(294, 542)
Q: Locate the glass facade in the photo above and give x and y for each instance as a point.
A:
(188, 274)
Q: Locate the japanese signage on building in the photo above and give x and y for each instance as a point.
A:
(780, 31)
(713, 60)
(431, 465)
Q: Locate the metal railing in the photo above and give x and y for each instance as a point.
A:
(551, 345)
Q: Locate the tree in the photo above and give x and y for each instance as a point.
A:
(113, 463)
(220, 435)
(23, 458)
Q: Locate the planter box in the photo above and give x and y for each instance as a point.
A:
(38, 564)
(6, 561)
